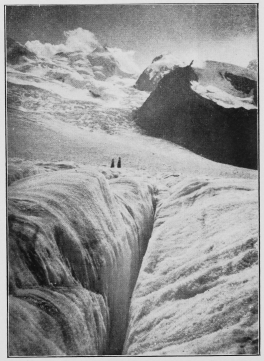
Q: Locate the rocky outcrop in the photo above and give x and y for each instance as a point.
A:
(197, 290)
(177, 113)
(102, 62)
(243, 84)
(253, 65)
(17, 53)
(76, 242)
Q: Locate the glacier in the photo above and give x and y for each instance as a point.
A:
(157, 258)
(197, 290)
(76, 243)
(85, 242)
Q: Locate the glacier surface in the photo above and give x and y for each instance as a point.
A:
(76, 243)
(197, 290)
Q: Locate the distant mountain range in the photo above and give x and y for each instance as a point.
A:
(99, 64)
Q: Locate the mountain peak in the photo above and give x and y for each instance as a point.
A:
(17, 53)
(160, 66)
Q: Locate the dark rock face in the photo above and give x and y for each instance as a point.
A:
(175, 112)
(17, 52)
(143, 83)
(148, 83)
(243, 84)
(61, 54)
(157, 58)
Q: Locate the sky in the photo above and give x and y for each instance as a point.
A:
(200, 31)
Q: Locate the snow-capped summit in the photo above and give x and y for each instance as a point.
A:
(90, 88)
(100, 63)
(98, 74)
(160, 66)
(104, 64)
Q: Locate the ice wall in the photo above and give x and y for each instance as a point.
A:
(76, 243)
(197, 290)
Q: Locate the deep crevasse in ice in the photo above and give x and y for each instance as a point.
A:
(197, 290)
(76, 242)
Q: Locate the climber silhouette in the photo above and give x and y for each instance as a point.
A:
(112, 164)
(119, 163)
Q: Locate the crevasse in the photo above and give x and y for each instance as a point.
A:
(78, 285)
(76, 242)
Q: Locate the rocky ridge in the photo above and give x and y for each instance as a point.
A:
(176, 112)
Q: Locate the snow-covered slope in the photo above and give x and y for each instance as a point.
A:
(231, 79)
(76, 242)
(197, 290)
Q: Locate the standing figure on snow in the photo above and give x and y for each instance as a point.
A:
(112, 164)
(119, 163)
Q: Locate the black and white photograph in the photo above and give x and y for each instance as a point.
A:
(132, 179)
